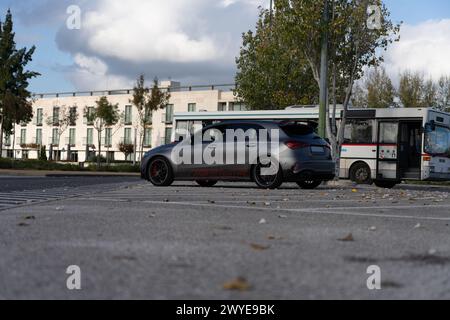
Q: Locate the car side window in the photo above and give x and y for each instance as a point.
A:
(250, 131)
(213, 134)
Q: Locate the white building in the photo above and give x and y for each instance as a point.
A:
(80, 141)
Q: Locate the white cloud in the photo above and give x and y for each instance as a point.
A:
(184, 39)
(150, 30)
(91, 73)
(424, 47)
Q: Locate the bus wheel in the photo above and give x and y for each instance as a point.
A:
(386, 184)
(361, 174)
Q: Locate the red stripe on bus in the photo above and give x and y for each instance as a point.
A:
(369, 145)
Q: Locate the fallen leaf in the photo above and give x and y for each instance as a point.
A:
(22, 224)
(418, 226)
(267, 204)
(262, 221)
(282, 216)
(373, 229)
(211, 201)
(258, 247)
(348, 238)
(30, 218)
(354, 190)
(238, 284)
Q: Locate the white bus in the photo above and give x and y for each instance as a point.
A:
(384, 146)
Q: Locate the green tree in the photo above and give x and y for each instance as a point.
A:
(147, 101)
(299, 27)
(103, 116)
(15, 99)
(416, 92)
(271, 74)
(376, 91)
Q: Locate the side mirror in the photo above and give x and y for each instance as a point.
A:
(327, 140)
(180, 139)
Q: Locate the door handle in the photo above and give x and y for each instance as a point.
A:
(251, 145)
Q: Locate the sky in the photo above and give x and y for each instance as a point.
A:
(191, 41)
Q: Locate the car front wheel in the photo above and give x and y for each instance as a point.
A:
(160, 172)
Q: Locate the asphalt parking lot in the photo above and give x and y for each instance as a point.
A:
(232, 241)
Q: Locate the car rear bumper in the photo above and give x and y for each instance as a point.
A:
(315, 170)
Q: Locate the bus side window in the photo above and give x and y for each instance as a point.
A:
(359, 131)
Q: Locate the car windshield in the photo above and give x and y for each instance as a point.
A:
(294, 129)
(437, 142)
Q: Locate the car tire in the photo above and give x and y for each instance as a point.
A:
(386, 184)
(309, 184)
(160, 172)
(206, 183)
(360, 173)
(270, 182)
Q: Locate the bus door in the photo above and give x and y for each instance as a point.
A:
(387, 151)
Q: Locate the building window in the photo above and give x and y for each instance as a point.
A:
(8, 140)
(192, 107)
(72, 136)
(90, 137)
(237, 106)
(148, 137)
(56, 116)
(128, 115)
(39, 117)
(110, 156)
(222, 106)
(73, 116)
(127, 136)
(148, 116)
(168, 136)
(74, 156)
(169, 113)
(108, 137)
(39, 137)
(90, 112)
(55, 137)
(23, 136)
(25, 154)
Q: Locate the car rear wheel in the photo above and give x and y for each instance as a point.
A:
(266, 181)
(206, 183)
(385, 184)
(309, 184)
(160, 172)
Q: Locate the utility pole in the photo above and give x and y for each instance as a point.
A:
(271, 13)
(324, 73)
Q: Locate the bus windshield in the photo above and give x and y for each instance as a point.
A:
(437, 142)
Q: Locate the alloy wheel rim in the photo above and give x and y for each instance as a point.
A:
(158, 171)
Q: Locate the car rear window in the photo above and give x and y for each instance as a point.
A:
(293, 130)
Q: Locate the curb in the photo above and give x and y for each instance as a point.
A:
(94, 175)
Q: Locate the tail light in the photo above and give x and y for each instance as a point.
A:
(297, 145)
